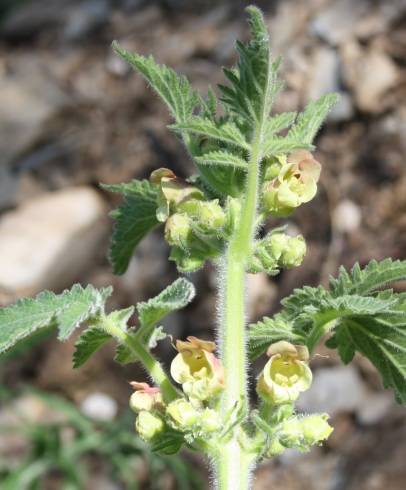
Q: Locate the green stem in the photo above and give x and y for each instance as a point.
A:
(233, 463)
(152, 366)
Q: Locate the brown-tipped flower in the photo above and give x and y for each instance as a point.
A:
(145, 397)
(173, 192)
(286, 374)
(197, 369)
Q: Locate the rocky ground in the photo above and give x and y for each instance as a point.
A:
(73, 115)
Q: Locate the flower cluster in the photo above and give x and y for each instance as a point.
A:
(194, 226)
(289, 181)
(284, 377)
(201, 375)
(277, 250)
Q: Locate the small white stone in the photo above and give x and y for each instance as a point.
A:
(347, 216)
(99, 406)
(46, 243)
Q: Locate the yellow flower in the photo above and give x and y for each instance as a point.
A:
(145, 397)
(197, 369)
(295, 184)
(286, 374)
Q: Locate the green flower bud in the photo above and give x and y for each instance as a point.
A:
(293, 254)
(285, 375)
(207, 215)
(295, 184)
(182, 414)
(197, 369)
(178, 231)
(148, 425)
(291, 434)
(186, 261)
(316, 428)
(145, 397)
(209, 420)
(275, 448)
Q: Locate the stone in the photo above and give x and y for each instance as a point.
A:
(261, 292)
(347, 216)
(48, 242)
(323, 73)
(334, 390)
(336, 23)
(29, 96)
(370, 74)
(99, 406)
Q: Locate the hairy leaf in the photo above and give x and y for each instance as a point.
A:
(65, 311)
(87, 344)
(222, 158)
(269, 330)
(309, 121)
(226, 132)
(278, 123)
(363, 281)
(277, 145)
(135, 217)
(174, 89)
(176, 296)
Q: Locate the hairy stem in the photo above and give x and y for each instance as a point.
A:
(233, 464)
(151, 365)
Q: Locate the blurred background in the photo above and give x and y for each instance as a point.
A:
(72, 115)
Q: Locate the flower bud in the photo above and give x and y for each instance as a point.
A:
(207, 215)
(285, 375)
(186, 261)
(173, 192)
(296, 184)
(145, 397)
(209, 420)
(275, 448)
(178, 231)
(291, 434)
(316, 428)
(197, 369)
(293, 254)
(148, 425)
(182, 413)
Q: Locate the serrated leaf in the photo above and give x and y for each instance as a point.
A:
(134, 218)
(310, 120)
(222, 158)
(65, 311)
(278, 145)
(226, 132)
(269, 330)
(384, 345)
(174, 89)
(374, 276)
(170, 442)
(277, 123)
(87, 344)
(176, 296)
(124, 355)
(253, 84)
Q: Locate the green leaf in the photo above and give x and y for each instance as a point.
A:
(222, 158)
(135, 217)
(309, 121)
(363, 281)
(87, 344)
(174, 89)
(65, 311)
(383, 343)
(277, 145)
(170, 442)
(254, 83)
(226, 132)
(176, 296)
(278, 123)
(269, 330)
